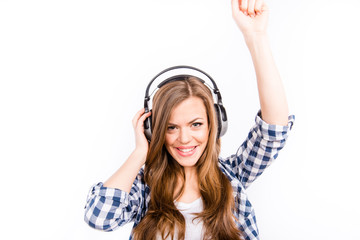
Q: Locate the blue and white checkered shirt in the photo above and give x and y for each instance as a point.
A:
(109, 208)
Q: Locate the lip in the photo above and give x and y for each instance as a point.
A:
(186, 154)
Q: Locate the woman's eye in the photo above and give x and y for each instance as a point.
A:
(197, 124)
(171, 128)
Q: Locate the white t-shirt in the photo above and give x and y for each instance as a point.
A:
(194, 229)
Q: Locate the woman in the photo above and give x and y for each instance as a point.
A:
(185, 190)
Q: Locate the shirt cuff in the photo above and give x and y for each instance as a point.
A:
(274, 132)
(113, 194)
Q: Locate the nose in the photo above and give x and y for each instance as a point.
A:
(184, 136)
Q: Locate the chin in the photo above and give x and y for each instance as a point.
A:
(187, 164)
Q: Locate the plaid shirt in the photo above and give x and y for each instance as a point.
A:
(109, 208)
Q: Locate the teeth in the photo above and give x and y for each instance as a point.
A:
(186, 150)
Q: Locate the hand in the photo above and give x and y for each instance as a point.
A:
(138, 124)
(251, 16)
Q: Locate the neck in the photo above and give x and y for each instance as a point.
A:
(191, 186)
(190, 174)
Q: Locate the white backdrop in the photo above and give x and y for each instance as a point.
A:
(73, 74)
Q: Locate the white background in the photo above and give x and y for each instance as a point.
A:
(73, 74)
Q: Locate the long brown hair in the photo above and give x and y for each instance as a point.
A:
(162, 173)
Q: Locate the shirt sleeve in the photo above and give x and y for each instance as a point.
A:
(109, 208)
(258, 151)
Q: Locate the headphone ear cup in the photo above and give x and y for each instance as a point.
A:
(147, 128)
(221, 119)
(218, 117)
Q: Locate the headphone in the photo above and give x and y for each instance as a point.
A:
(219, 108)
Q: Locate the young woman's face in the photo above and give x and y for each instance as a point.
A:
(187, 132)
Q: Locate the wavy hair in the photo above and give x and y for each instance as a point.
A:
(162, 173)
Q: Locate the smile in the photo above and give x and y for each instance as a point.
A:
(186, 152)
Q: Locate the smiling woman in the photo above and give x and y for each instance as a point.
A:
(186, 190)
(187, 134)
(183, 154)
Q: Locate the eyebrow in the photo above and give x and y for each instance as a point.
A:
(192, 121)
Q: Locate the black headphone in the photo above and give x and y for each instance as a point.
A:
(219, 108)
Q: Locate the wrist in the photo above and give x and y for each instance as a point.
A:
(257, 43)
(255, 37)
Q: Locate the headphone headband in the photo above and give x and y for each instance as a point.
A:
(173, 78)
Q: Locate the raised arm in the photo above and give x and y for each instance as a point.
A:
(124, 177)
(251, 16)
(122, 198)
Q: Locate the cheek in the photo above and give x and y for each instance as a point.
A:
(169, 140)
(203, 136)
